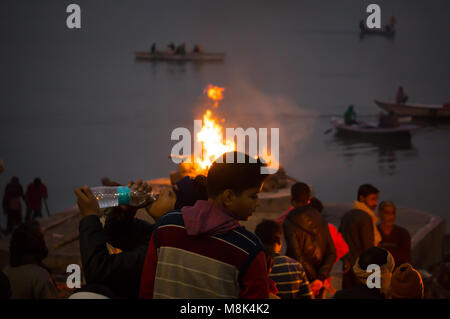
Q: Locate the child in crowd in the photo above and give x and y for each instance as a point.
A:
(287, 273)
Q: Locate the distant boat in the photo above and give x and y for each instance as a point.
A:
(387, 31)
(371, 129)
(417, 110)
(190, 56)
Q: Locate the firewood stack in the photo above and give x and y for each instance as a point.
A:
(272, 183)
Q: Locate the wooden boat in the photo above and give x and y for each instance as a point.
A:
(386, 31)
(371, 129)
(417, 110)
(190, 56)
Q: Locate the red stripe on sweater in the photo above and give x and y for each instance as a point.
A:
(173, 236)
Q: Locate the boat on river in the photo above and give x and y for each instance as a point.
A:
(428, 111)
(371, 129)
(188, 57)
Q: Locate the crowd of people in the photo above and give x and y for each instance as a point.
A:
(197, 247)
(180, 49)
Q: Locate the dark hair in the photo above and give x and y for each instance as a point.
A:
(300, 193)
(317, 204)
(189, 190)
(234, 175)
(366, 190)
(37, 181)
(373, 255)
(269, 231)
(27, 240)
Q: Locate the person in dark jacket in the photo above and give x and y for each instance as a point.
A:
(358, 227)
(367, 286)
(308, 239)
(120, 273)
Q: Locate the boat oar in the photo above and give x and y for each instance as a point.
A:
(46, 207)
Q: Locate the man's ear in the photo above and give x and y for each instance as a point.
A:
(228, 197)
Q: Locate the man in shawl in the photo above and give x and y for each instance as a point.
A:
(358, 227)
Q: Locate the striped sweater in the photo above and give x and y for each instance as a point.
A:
(290, 278)
(226, 265)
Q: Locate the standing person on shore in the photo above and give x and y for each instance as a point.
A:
(36, 192)
(28, 276)
(338, 241)
(12, 205)
(358, 227)
(287, 273)
(202, 251)
(308, 240)
(394, 238)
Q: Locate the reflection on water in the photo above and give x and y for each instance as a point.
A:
(389, 151)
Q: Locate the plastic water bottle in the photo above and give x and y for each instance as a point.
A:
(111, 196)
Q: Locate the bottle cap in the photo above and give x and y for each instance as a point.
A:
(124, 195)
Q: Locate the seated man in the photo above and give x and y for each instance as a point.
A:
(29, 278)
(394, 238)
(406, 283)
(350, 116)
(287, 273)
(364, 289)
(202, 251)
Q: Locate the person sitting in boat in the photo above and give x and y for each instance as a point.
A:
(171, 47)
(350, 116)
(401, 97)
(390, 26)
(197, 49)
(153, 48)
(389, 121)
(362, 25)
(181, 49)
(392, 21)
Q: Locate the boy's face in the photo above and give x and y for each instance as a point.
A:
(243, 205)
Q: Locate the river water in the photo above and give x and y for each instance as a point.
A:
(76, 106)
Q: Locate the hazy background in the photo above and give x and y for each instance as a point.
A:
(76, 106)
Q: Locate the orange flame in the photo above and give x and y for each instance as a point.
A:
(211, 137)
(212, 141)
(215, 93)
